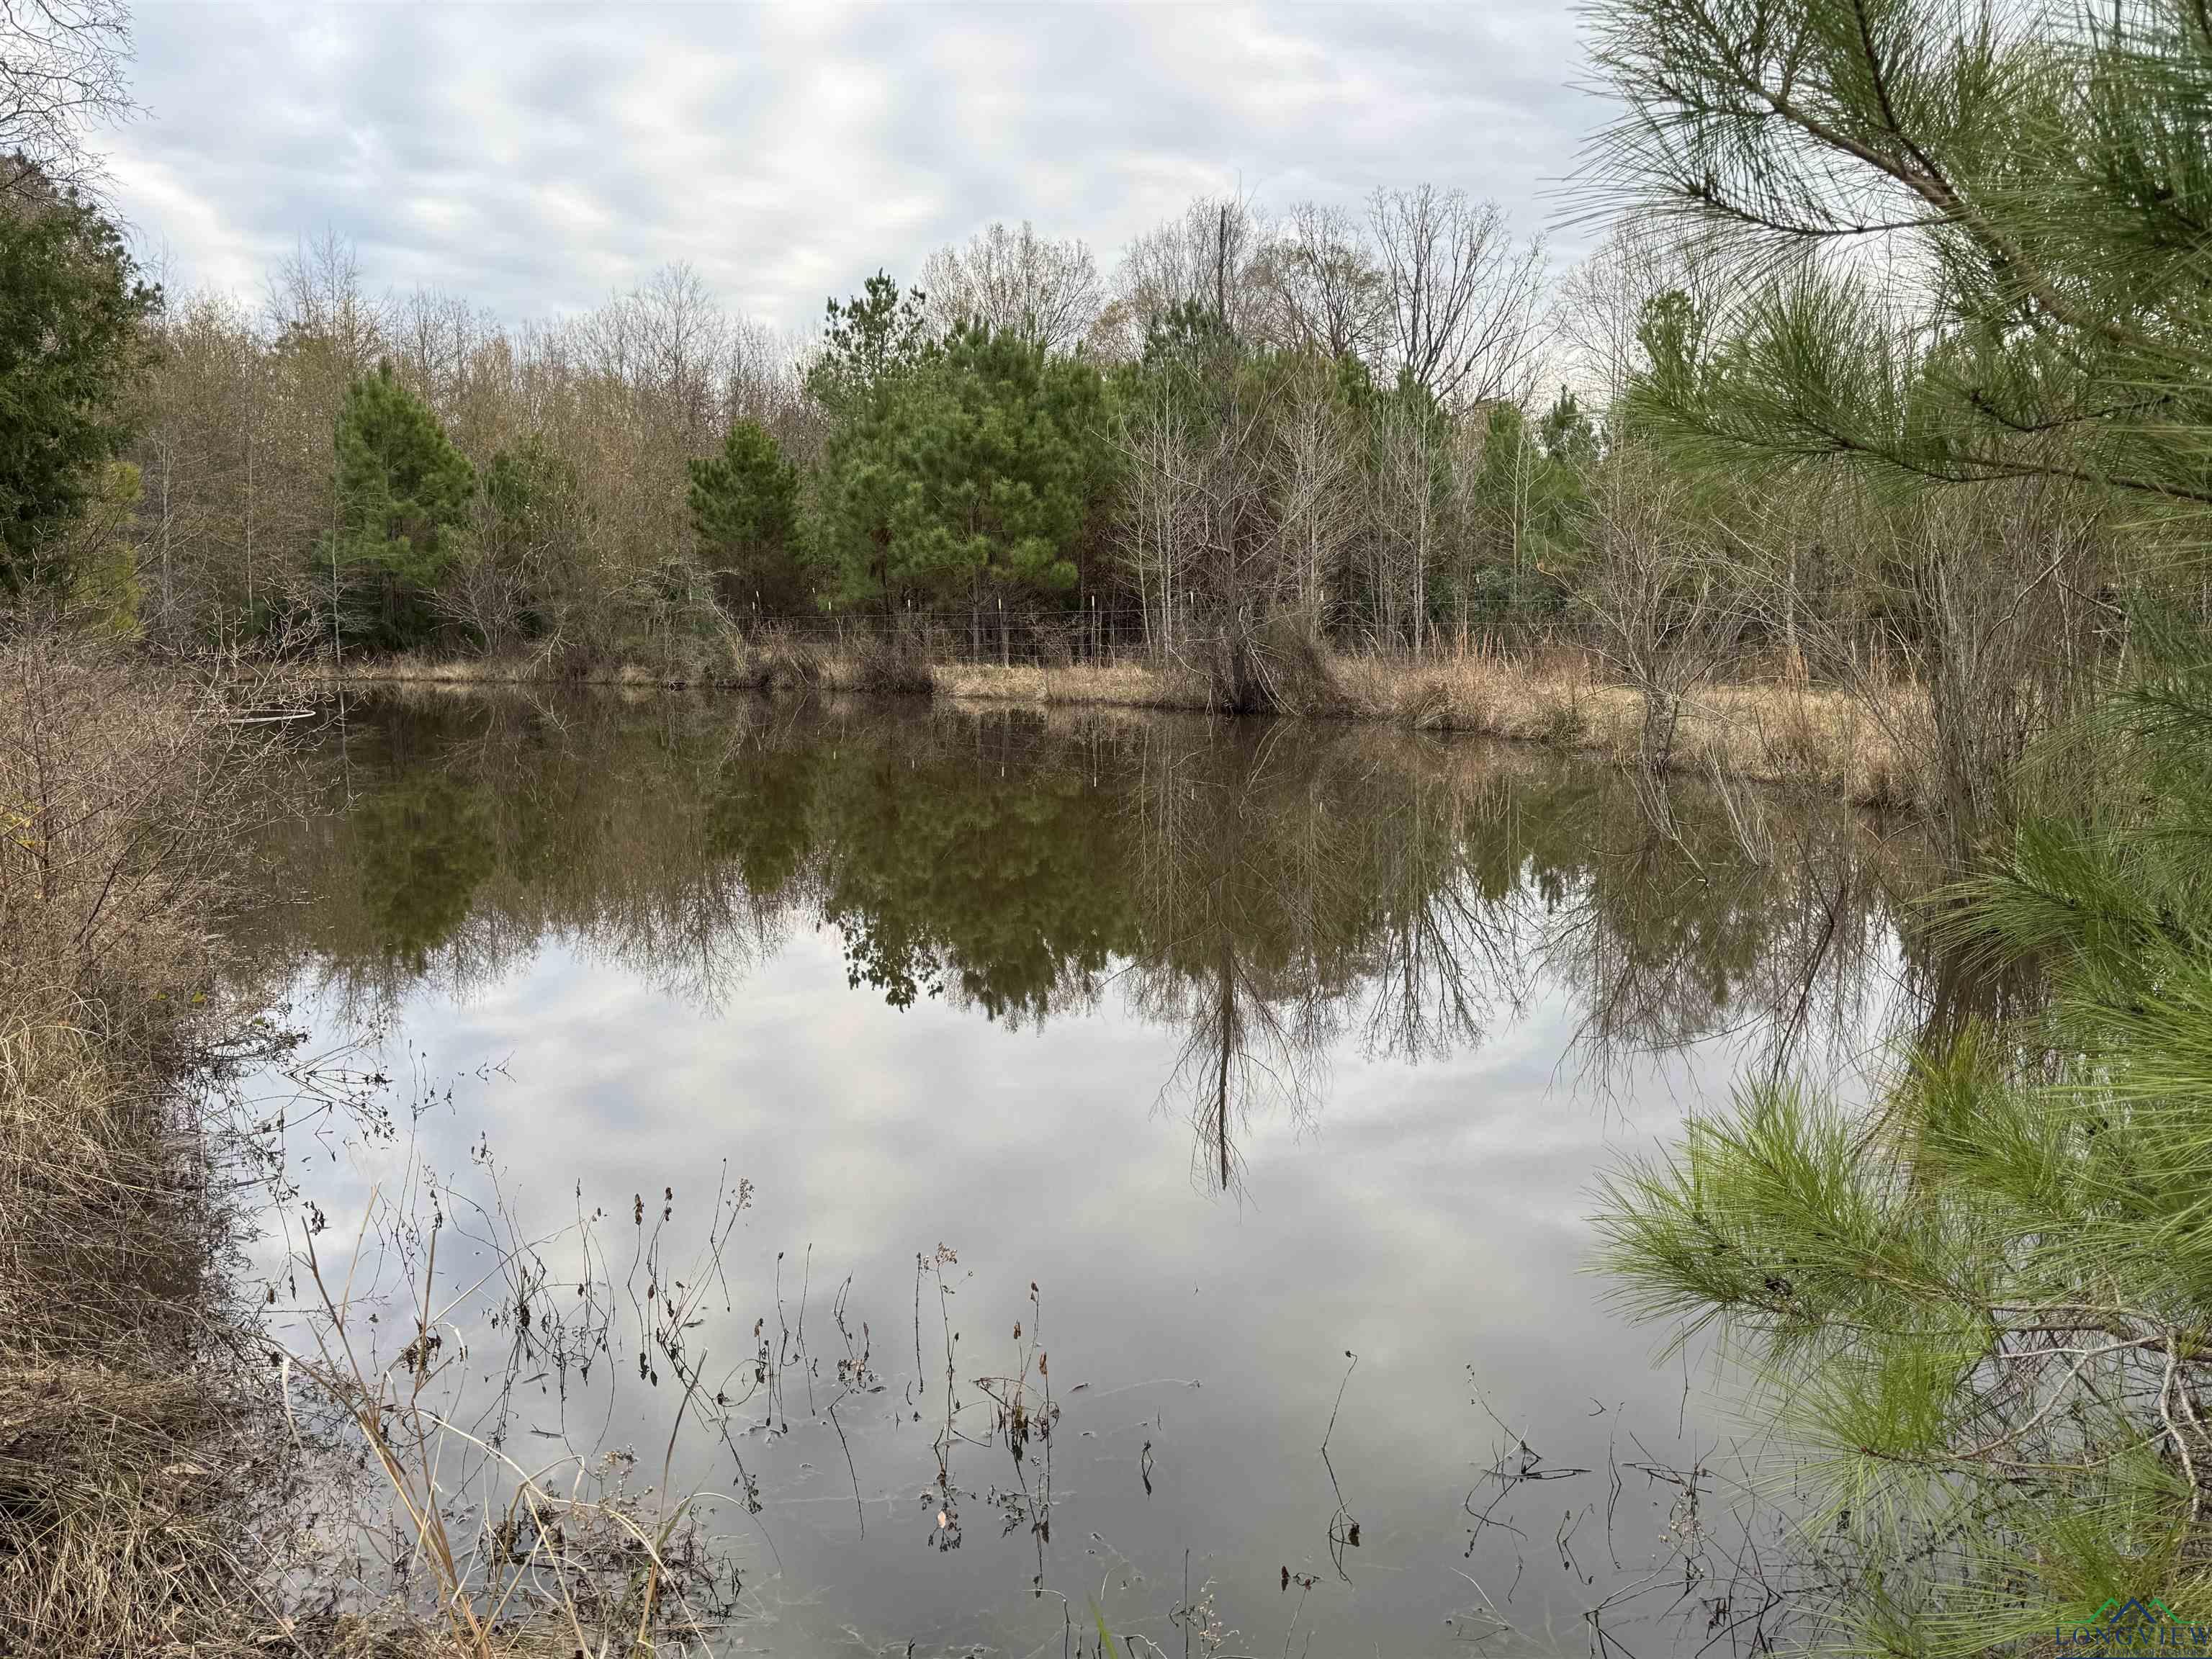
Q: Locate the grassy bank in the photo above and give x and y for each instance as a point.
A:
(1866, 747)
(1777, 731)
(140, 1469)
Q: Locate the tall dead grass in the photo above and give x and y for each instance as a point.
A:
(136, 1482)
(1116, 684)
(769, 661)
(1784, 730)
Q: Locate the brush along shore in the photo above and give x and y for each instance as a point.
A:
(1866, 746)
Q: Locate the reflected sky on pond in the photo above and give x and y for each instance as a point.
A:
(1250, 1047)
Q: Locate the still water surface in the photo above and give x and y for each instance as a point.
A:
(1251, 1048)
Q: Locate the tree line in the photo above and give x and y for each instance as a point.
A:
(1330, 409)
(1257, 438)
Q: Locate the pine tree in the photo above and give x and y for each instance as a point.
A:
(956, 467)
(745, 506)
(873, 348)
(1000, 455)
(1969, 235)
(869, 342)
(402, 501)
(73, 315)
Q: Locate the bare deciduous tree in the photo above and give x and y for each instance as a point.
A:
(61, 73)
(1330, 295)
(1017, 281)
(1158, 505)
(1315, 462)
(1210, 256)
(316, 295)
(1599, 311)
(434, 336)
(1409, 515)
(1462, 295)
(1663, 595)
(760, 375)
(686, 336)
(1225, 503)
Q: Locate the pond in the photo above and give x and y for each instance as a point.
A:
(1217, 1107)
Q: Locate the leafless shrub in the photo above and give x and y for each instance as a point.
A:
(1224, 515)
(1972, 623)
(1272, 662)
(893, 663)
(1660, 593)
(486, 599)
(777, 664)
(124, 792)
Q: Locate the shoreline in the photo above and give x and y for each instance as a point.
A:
(1778, 732)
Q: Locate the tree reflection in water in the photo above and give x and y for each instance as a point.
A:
(1265, 889)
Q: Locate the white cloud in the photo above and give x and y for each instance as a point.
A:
(534, 158)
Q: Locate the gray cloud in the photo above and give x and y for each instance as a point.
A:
(535, 158)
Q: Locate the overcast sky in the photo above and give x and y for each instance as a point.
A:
(537, 158)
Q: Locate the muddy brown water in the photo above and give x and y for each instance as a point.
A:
(1251, 1046)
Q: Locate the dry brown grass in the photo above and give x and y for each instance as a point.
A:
(1785, 731)
(123, 1524)
(1119, 684)
(771, 662)
(410, 668)
(417, 668)
(1868, 747)
(135, 1480)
